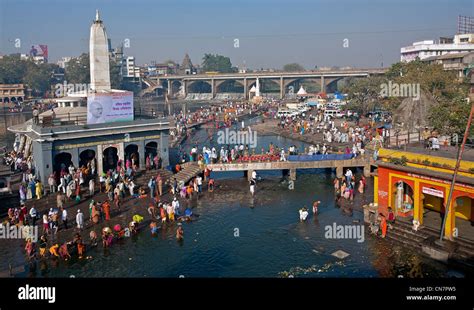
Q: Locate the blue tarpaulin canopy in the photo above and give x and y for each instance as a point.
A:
(338, 95)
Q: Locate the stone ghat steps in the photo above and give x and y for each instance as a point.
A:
(463, 244)
(402, 232)
(403, 237)
(143, 178)
(189, 171)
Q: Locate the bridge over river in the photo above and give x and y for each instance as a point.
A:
(337, 161)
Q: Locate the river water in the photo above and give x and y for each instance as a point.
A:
(237, 235)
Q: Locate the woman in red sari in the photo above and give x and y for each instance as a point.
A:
(383, 225)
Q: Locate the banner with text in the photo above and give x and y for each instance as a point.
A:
(109, 107)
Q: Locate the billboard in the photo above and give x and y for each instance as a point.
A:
(39, 50)
(109, 107)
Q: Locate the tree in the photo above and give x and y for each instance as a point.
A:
(293, 67)
(450, 116)
(40, 77)
(449, 108)
(37, 77)
(115, 76)
(217, 63)
(364, 94)
(77, 70)
(12, 69)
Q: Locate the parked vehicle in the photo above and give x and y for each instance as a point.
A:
(333, 113)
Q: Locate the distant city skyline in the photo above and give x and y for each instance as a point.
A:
(257, 34)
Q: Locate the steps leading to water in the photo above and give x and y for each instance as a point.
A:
(460, 252)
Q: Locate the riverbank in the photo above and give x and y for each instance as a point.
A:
(130, 206)
(269, 126)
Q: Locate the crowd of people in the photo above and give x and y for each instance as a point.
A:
(316, 123)
(72, 184)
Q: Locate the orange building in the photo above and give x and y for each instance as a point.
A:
(422, 184)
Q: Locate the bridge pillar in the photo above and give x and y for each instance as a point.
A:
(367, 171)
(323, 84)
(282, 88)
(185, 90)
(293, 174)
(245, 89)
(213, 88)
(339, 171)
(184, 108)
(170, 88)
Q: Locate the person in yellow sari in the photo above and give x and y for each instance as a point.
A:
(39, 189)
(54, 250)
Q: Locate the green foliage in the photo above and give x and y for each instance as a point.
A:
(364, 94)
(471, 170)
(293, 67)
(426, 162)
(217, 63)
(447, 166)
(450, 116)
(77, 70)
(115, 78)
(38, 77)
(12, 69)
(435, 164)
(431, 77)
(399, 161)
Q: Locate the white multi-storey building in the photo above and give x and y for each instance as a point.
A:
(63, 62)
(428, 48)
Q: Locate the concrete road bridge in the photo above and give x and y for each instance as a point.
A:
(325, 78)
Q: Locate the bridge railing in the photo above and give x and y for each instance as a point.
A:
(320, 157)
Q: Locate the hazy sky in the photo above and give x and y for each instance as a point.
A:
(271, 33)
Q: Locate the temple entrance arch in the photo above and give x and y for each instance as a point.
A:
(86, 156)
(402, 198)
(464, 206)
(131, 153)
(151, 148)
(61, 161)
(110, 159)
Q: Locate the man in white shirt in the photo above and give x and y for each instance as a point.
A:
(80, 220)
(33, 215)
(64, 217)
(199, 183)
(175, 205)
(348, 176)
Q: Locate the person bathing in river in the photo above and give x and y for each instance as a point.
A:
(211, 185)
(179, 232)
(252, 186)
(315, 207)
(303, 214)
(336, 185)
(153, 228)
